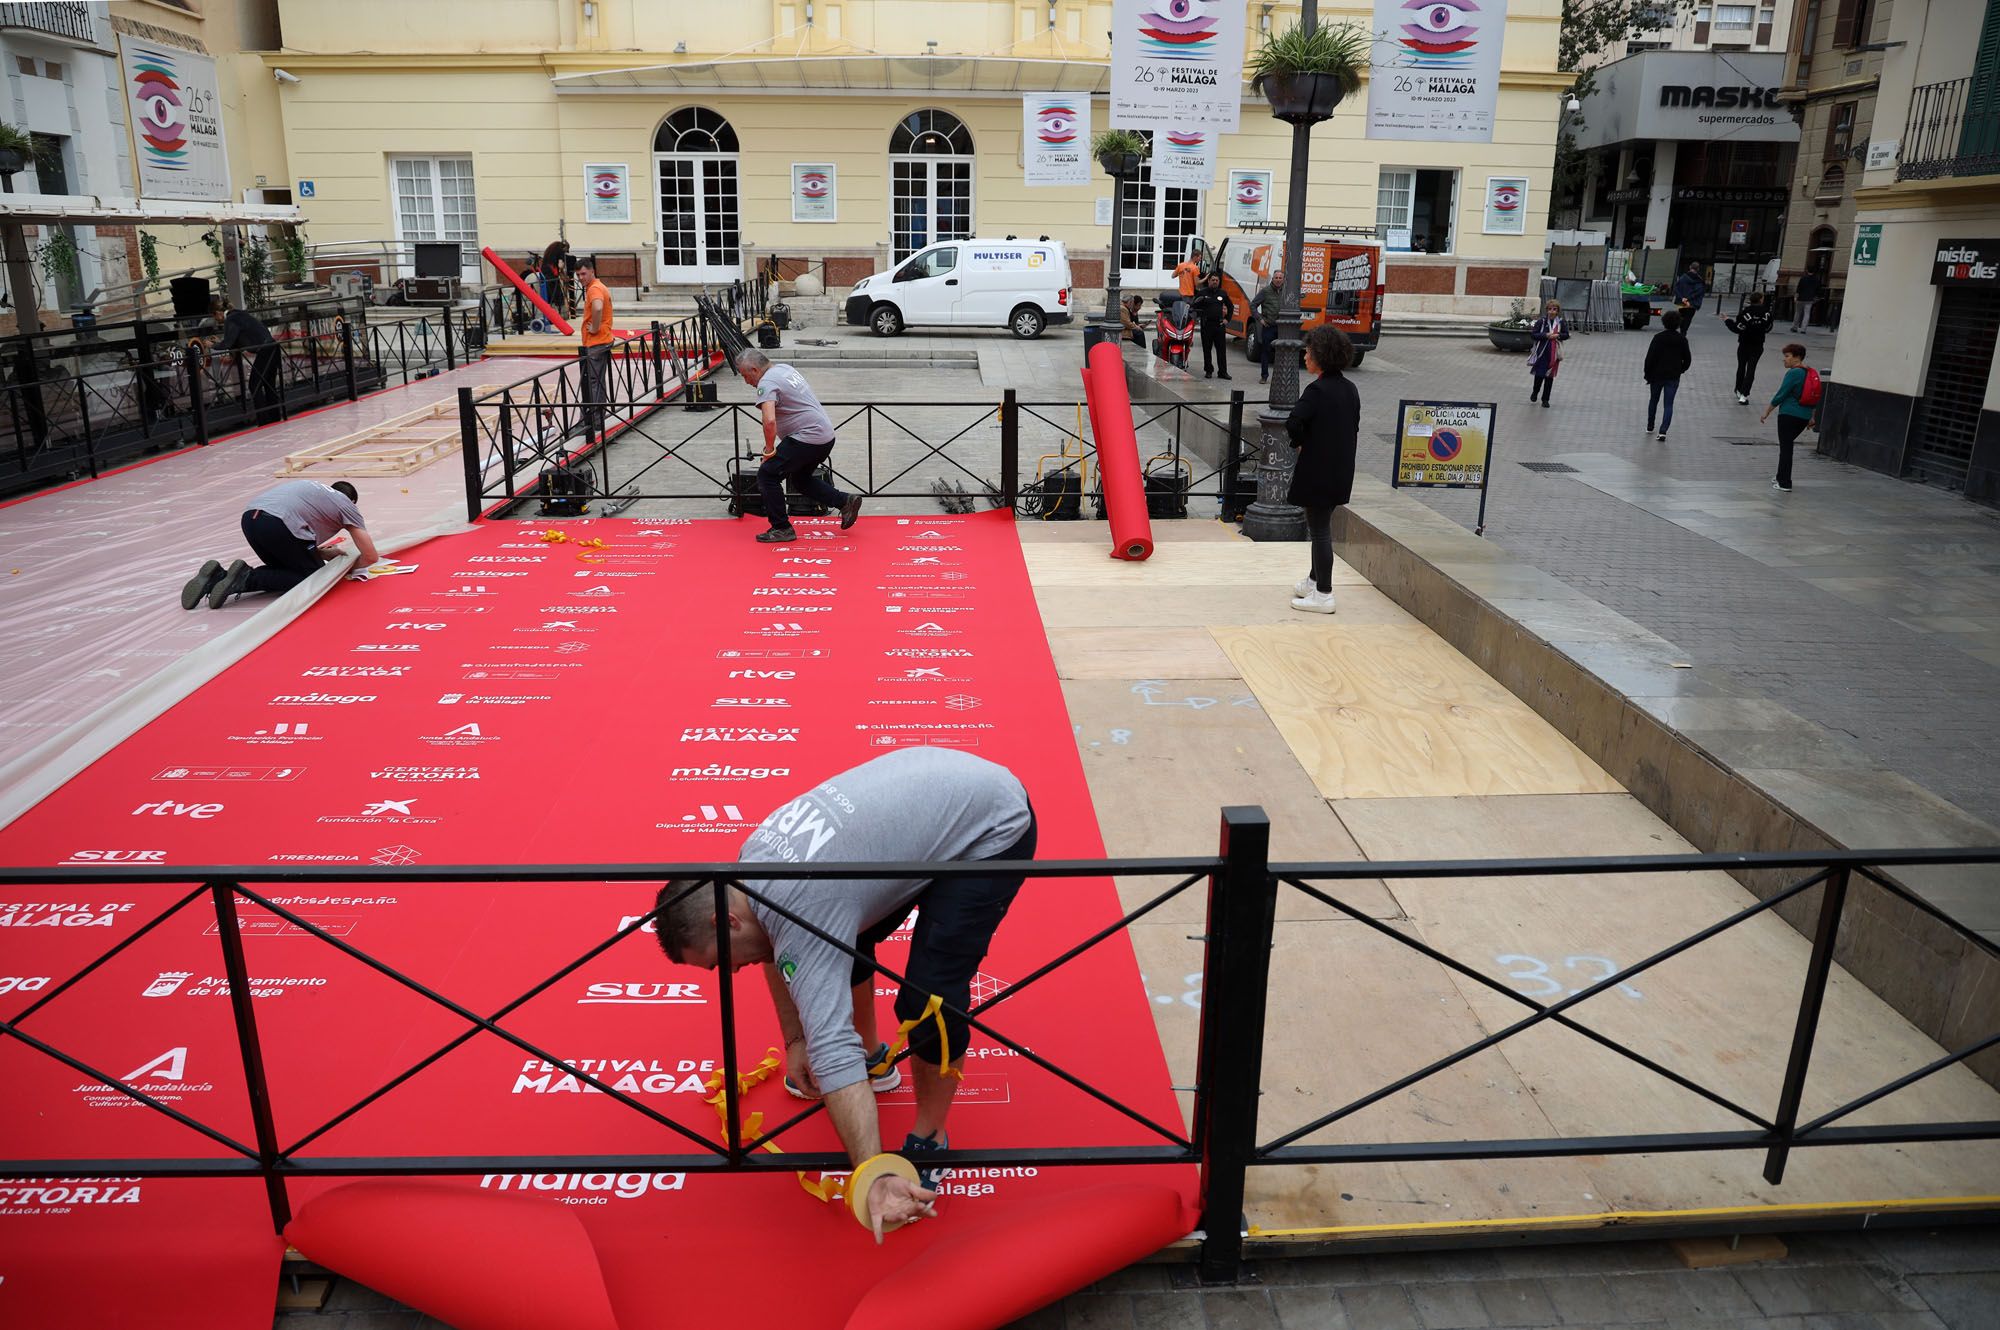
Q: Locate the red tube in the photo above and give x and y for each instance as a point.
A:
(555, 319)
(1117, 452)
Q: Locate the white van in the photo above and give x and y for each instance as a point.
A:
(1019, 285)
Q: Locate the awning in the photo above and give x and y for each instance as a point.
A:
(91, 209)
(841, 75)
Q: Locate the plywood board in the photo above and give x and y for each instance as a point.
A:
(1394, 711)
(1189, 563)
(1220, 606)
(1137, 653)
(1164, 757)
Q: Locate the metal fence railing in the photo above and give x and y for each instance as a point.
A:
(1224, 1138)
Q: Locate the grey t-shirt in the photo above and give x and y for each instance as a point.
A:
(914, 805)
(311, 510)
(800, 416)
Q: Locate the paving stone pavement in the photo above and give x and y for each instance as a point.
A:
(1910, 1279)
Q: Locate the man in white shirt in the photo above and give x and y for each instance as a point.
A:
(286, 527)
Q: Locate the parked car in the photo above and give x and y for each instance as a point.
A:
(1020, 285)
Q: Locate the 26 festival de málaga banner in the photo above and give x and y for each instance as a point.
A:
(1177, 64)
(1441, 77)
(176, 109)
(1184, 159)
(1055, 138)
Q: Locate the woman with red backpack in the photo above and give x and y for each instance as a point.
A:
(1796, 401)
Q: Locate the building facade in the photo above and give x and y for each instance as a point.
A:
(666, 137)
(1914, 390)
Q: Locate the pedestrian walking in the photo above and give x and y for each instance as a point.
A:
(798, 437)
(1689, 291)
(1666, 360)
(1323, 427)
(1214, 309)
(1749, 326)
(1804, 296)
(1795, 401)
(1267, 323)
(1550, 332)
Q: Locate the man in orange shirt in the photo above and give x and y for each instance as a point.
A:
(1188, 273)
(596, 345)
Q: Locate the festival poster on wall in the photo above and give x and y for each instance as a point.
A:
(815, 192)
(1249, 197)
(1177, 64)
(1443, 78)
(176, 108)
(1055, 139)
(607, 192)
(1506, 205)
(1184, 159)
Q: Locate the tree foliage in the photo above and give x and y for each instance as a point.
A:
(1590, 27)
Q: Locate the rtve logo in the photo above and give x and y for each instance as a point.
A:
(168, 808)
(763, 674)
(411, 626)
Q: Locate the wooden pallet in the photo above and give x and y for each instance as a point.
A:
(395, 447)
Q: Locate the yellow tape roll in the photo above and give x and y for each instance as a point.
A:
(863, 1180)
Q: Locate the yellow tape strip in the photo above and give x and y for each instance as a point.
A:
(1608, 1218)
(586, 549)
(830, 1186)
(932, 1011)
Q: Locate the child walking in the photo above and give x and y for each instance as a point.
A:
(1666, 360)
(1794, 410)
(1749, 327)
(1550, 332)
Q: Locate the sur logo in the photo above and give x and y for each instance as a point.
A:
(1183, 29)
(1442, 33)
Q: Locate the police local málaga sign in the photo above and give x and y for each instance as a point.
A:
(1443, 79)
(1177, 64)
(1055, 138)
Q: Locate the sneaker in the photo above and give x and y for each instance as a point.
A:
(201, 584)
(1303, 587)
(1743, 399)
(777, 535)
(1662, 437)
(882, 1084)
(849, 511)
(233, 583)
(1782, 489)
(914, 1145)
(1314, 602)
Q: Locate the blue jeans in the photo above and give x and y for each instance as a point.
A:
(1662, 390)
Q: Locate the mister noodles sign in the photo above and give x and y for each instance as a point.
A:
(1177, 64)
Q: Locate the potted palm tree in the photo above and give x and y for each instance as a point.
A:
(1305, 73)
(1120, 151)
(17, 149)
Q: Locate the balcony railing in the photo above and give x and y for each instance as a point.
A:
(1954, 130)
(67, 19)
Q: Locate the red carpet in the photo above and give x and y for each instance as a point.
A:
(520, 702)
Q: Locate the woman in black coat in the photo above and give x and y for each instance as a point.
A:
(1323, 427)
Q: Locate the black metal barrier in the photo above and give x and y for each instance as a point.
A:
(1224, 1140)
(672, 457)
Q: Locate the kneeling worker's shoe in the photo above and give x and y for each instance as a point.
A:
(1315, 602)
(914, 1147)
(234, 583)
(850, 511)
(889, 1078)
(777, 535)
(201, 584)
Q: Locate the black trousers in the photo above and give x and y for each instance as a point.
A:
(1789, 429)
(595, 386)
(264, 383)
(1319, 530)
(1747, 356)
(287, 558)
(956, 920)
(1215, 336)
(1544, 387)
(798, 463)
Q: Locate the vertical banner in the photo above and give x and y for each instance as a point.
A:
(815, 192)
(176, 108)
(1443, 79)
(1249, 197)
(607, 192)
(1184, 159)
(1177, 64)
(1506, 205)
(1055, 138)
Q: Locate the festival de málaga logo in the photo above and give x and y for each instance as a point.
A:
(1249, 191)
(812, 184)
(605, 184)
(1443, 35)
(163, 118)
(1183, 29)
(1506, 198)
(1056, 124)
(1187, 141)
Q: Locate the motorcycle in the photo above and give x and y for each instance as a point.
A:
(1176, 333)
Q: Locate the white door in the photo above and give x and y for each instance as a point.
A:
(696, 164)
(933, 197)
(435, 201)
(1160, 225)
(927, 287)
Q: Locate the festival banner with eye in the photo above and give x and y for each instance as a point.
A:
(815, 197)
(1177, 64)
(1055, 139)
(607, 192)
(1441, 79)
(1249, 197)
(1184, 159)
(1506, 205)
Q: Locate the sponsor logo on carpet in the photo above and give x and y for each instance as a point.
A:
(557, 626)
(282, 732)
(164, 1078)
(322, 699)
(20, 983)
(464, 736)
(72, 914)
(928, 653)
(791, 609)
(171, 982)
(230, 773)
(425, 773)
(56, 1196)
(493, 699)
(750, 702)
(383, 810)
(394, 856)
(632, 1076)
(721, 771)
(115, 858)
(709, 819)
(928, 628)
(169, 808)
(774, 653)
(737, 734)
(388, 646)
(763, 674)
(597, 591)
(784, 630)
(928, 550)
(356, 672)
(578, 609)
(489, 574)
(504, 558)
(442, 609)
(795, 590)
(594, 1188)
(641, 995)
(474, 590)
(520, 675)
(801, 576)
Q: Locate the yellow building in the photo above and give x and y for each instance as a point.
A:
(481, 119)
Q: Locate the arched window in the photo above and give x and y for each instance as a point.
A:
(930, 170)
(694, 153)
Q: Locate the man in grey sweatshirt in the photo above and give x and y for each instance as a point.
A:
(914, 805)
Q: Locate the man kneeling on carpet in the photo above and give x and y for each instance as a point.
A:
(286, 527)
(915, 805)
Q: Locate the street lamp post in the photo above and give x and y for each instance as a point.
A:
(1118, 166)
(1270, 516)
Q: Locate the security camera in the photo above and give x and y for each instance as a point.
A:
(286, 76)
(1572, 105)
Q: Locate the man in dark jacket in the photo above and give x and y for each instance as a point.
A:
(1689, 290)
(1749, 326)
(1666, 360)
(1213, 309)
(1267, 304)
(1804, 296)
(243, 331)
